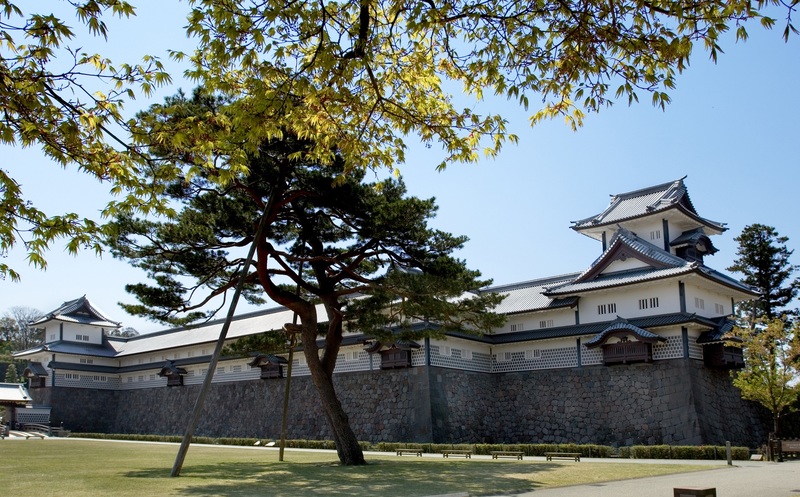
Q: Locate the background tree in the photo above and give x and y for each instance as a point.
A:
(337, 251)
(17, 330)
(763, 259)
(127, 331)
(772, 362)
(362, 75)
(12, 376)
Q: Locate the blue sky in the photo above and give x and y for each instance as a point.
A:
(732, 129)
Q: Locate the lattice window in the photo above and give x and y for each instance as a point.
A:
(671, 349)
(468, 360)
(517, 327)
(563, 357)
(719, 308)
(546, 323)
(699, 303)
(591, 357)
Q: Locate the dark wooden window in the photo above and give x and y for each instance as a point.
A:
(270, 370)
(37, 382)
(175, 380)
(627, 352)
(718, 356)
(395, 358)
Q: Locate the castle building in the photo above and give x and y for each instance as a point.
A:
(629, 350)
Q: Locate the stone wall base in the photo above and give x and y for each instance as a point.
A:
(678, 402)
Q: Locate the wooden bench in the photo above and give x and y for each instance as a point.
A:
(694, 492)
(563, 455)
(37, 427)
(417, 451)
(507, 453)
(453, 452)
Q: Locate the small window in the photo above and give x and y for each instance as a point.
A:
(719, 308)
(152, 377)
(546, 323)
(648, 303)
(191, 353)
(445, 350)
(504, 356)
(699, 303)
(655, 235)
(86, 361)
(100, 378)
(236, 369)
(517, 327)
(72, 376)
(140, 378)
(82, 338)
(606, 308)
(532, 354)
(130, 379)
(221, 370)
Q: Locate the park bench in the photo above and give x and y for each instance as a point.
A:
(455, 452)
(563, 455)
(516, 454)
(36, 428)
(417, 451)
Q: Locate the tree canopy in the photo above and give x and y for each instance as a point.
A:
(763, 259)
(338, 251)
(365, 76)
(772, 367)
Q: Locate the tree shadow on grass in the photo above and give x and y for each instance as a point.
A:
(387, 478)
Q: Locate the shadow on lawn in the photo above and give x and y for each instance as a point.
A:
(387, 478)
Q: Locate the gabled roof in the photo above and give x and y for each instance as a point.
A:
(623, 326)
(645, 202)
(80, 311)
(660, 264)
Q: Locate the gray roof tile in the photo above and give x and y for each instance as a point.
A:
(646, 201)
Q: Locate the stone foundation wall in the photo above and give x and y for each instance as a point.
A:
(668, 402)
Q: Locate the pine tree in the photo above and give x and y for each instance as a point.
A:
(361, 253)
(764, 262)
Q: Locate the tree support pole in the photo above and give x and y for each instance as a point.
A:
(212, 366)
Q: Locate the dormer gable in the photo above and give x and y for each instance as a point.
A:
(628, 252)
(76, 321)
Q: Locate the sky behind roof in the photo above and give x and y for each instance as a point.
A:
(732, 130)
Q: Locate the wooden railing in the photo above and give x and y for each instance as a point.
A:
(627, 352)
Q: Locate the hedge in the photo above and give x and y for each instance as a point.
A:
(703, 452)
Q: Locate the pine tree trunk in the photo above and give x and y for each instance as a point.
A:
(347, 448)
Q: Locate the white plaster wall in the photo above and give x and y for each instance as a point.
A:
(709, 298)
(533, 320)
(627, 302)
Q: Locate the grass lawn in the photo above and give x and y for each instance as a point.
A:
(70, 467)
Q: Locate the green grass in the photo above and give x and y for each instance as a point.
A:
(66, 468)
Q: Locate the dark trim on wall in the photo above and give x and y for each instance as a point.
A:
(685, 339)
(665, 226)
(682, 295)
(605, 245)
(580, 360)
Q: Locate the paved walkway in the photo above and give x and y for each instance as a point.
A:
(743, 479)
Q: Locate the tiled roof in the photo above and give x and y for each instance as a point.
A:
(646, 201)
(620, 324)
(78, 311)
(244, 325)
(529, 296)
(15, 393)
(663, 265)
